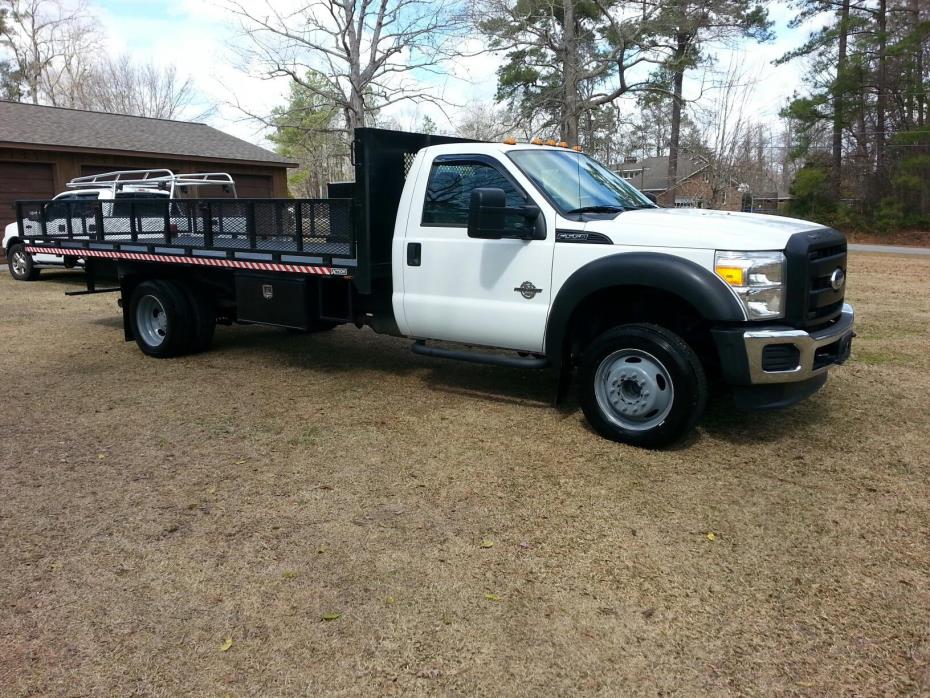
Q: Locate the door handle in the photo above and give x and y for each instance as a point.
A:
(413, 254)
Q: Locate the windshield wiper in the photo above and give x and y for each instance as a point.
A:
(597, 209)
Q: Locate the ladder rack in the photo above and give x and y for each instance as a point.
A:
(156, 178)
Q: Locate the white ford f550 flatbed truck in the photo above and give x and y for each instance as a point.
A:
(526, 255)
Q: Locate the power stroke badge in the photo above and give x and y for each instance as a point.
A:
(528, 290)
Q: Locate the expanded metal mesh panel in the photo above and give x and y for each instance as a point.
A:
(317, 226)
(408, 162)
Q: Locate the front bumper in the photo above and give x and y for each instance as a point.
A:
(816, 351)
(794, 369)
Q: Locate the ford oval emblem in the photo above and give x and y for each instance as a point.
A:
(837, 279)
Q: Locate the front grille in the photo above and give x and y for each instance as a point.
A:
(827, 252)
(813, 258)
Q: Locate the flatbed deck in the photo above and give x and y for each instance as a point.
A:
(315, 236)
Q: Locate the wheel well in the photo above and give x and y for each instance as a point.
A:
(12, 242)
(620, 305)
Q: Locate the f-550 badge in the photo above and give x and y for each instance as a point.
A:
(528, 290)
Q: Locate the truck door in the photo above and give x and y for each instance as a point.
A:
(456, 288)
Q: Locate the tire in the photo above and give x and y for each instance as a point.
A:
(162, 319)
(203, 309)
(22, 266)
(642, 385)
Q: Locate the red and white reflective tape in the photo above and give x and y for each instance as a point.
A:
(202, 261)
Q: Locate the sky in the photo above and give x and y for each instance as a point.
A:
(197, 36)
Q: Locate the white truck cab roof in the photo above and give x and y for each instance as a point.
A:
(109, 193)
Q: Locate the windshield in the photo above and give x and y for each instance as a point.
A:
(577, 184)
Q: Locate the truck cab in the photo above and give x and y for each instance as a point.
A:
(542, 250)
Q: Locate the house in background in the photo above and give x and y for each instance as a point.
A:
(694, 187)
(42, 148)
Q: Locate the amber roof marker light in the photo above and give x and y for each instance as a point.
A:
(510, 140)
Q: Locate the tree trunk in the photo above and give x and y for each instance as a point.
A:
(355, 113)
(568, 128)
(917, 82)
(837, 168)
(681, 48)
(881, 98)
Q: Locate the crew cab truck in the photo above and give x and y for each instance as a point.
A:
(519, 255)
(115, 188)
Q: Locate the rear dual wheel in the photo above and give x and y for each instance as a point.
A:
(170, 318)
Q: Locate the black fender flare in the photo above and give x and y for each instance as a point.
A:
(665, 272)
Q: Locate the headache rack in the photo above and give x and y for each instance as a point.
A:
(312, 235)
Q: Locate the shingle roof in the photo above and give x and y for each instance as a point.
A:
(651, 174)
(31, 124)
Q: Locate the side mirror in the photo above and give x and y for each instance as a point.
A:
(487, 217)
(651, 197)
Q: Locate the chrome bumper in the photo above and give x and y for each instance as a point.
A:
(811, 362)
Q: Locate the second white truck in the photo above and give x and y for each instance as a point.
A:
(70, 210)
(523, 255)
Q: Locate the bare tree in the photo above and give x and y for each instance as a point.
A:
(141, 89)
(726, 127)
(367, 51)
(46, 42)
(485, 121)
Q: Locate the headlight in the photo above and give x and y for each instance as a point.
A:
(758, 279)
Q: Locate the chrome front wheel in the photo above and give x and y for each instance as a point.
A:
(18, 262)
(22, 266)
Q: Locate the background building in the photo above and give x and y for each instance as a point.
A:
(42, 148)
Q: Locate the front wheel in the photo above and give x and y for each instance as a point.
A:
(642, 385)
(22, 266)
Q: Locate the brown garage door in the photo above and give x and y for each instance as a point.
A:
(253, 186)
(23, 180)
(87, 170)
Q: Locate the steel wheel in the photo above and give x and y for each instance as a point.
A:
(151, 320)
(634, 389)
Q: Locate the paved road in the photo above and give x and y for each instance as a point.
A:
(890, 249)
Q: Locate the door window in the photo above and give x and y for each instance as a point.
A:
(448, 192)
(71, 205)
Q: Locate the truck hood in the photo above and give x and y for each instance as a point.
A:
(700, 228)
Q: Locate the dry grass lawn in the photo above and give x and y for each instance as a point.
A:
(471, 539)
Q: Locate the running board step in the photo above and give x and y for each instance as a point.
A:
(419, 347)
(92, 291)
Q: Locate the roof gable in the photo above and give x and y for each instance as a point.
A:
(30, 124)
(651, 174)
